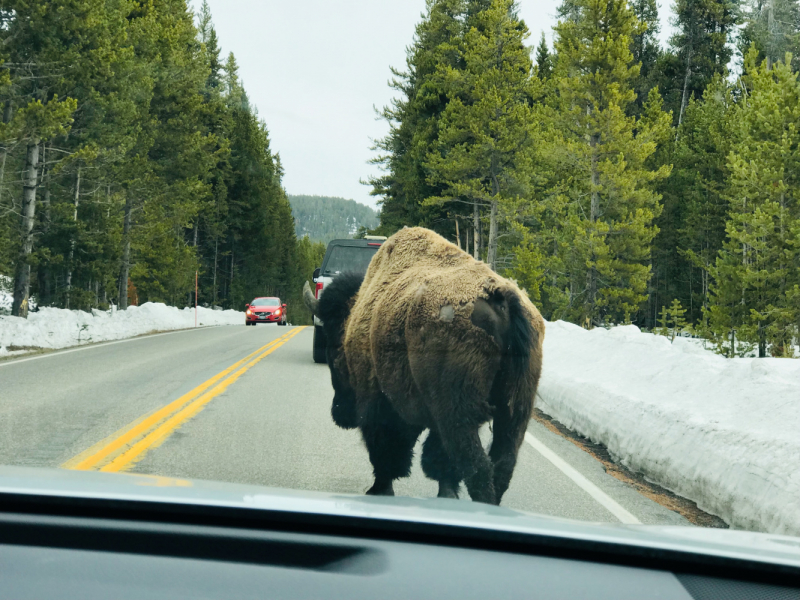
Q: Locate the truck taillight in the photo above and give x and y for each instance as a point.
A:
(320, 285)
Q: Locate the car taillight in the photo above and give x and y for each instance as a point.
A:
(320, 285)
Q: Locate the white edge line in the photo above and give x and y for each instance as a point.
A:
(61, 352)
(587, 486)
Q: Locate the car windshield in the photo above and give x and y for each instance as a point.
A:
(557, 271)
(349, 259)
(266, 302)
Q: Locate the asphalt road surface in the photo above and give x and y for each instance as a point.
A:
(248, 405)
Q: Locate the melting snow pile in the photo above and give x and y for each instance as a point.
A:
(60, 328)
(722, 432)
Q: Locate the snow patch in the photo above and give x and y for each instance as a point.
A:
(6, 296)
(54, 328)
(722, 432)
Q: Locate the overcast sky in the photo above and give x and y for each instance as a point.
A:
(315, 69)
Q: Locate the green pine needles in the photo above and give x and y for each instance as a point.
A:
(616, 181)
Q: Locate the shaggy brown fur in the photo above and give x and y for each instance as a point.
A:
(436, 340)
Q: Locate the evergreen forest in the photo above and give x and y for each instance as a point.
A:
(131, 160)
(323, 219)
(616, 180)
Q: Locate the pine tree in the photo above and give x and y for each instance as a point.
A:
(700, 50)
(235, 95)
(692, 225)
(38, 108)
(486, 132)
(414, 122)
(544, 60)
(672, 321)
(756, 273)
(599, 219)
(645, 49)
(773, 27)
(210, 227)
(121, 118)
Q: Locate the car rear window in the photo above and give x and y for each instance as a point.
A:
(352, 259)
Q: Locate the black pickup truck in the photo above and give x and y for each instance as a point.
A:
(342, 256)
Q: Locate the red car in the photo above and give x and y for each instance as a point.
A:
(266, 310)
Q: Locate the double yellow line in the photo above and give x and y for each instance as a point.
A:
(125, 448)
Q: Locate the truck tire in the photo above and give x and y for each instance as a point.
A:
(319, 345)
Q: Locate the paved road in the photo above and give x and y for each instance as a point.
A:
(247, 404)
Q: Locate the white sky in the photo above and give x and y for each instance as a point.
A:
(316, 68)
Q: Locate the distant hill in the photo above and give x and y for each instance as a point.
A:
(324, 219)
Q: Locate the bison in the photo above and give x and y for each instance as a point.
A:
(431, 338)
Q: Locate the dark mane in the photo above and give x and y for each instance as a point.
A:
(335, 303)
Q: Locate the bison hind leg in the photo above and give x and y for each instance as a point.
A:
(470, 461)
(390, 444)
(458, 428)
(437, 466)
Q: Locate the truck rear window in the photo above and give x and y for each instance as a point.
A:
(350, 259)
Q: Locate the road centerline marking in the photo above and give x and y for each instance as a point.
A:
(135, 453)
(144, 425)
(606, 501)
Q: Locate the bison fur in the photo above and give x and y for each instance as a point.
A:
(433, 339)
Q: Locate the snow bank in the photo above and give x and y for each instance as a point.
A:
(722, 432)
(6, 297)
(60, 328)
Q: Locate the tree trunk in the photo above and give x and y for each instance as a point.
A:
(76, 201)
(594, 215)
(466, 241)
(491, 257)
(194, 245)
(770, 33)
(3, 173)
(492, 254)
(45, 291)
(476, 216)
(230, 285)
(126, 255)
(216, 250)
(685, 97)
(8, 113)
(458, 235)
(781, 264)
(22, 283)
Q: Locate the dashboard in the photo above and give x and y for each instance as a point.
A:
(121, 550)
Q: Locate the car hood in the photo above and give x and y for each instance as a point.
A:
(267, 308)
(53, 483)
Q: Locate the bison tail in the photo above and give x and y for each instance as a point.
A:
(521, 340)
(513, 391)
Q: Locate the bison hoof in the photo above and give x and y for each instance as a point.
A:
(381, 489)
(448, 490)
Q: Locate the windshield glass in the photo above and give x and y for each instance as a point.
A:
(349, 259)
(266, 302)
(577, 292)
